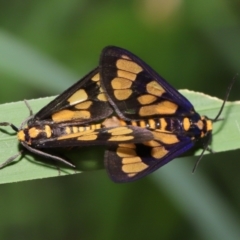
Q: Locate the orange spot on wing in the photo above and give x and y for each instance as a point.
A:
(96, 77)
(146, 99)
(83, 105)
(159, 152)
(134, 167)
(128, 66)
(155, 88)
(162, 108)
(121, 83)
(164, 137)
(125, 152)
(77, 97)
(127, 75)
(122, 94)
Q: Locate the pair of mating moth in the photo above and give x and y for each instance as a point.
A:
(125, 105)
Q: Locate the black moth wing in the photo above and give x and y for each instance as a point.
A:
(130, 162)
(135, 90)
(84, 101)
(75, 119)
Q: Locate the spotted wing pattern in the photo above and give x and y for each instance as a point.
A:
(137, 92)
(83, 102)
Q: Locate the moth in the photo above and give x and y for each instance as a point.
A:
(74, 119)
(141, 97)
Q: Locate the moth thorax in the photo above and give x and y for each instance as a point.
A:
(28, 134)
(186, 123)
(204, 125)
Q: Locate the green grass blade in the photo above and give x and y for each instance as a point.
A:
(226, 136)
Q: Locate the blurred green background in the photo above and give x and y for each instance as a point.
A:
(46, 46)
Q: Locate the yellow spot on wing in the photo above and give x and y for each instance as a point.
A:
(87, 138)
(62, 116)
(164, 107)
(120, 131)
(127, 75)
(128, 66)
(120, 83)
(166, 138)
(87, 132)
(158, 152)
(131, 174)
(102, 97)
(152, 143)
(77, 97)
(155, 88)
(130, 160)
(68, 115)
(125, 57)
(83, 105)
(134, 167)
(96, 77)
(127, 145)
(146, 99)
(120, 138)
(122, 94)
(125, 152)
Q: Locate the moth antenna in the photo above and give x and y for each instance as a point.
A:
(9, 124)
(226, 98)
(47, 155)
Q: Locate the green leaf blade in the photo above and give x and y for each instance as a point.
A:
(226, 136)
